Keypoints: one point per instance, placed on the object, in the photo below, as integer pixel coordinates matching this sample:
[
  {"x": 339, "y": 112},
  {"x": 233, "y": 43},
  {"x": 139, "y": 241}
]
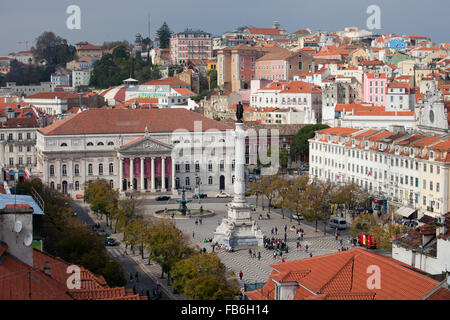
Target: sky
[{"x": 109, "y": 20}]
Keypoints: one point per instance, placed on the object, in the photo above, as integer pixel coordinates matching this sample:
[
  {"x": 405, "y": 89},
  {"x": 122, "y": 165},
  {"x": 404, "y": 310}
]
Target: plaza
[{"x": 254, "y": 270}]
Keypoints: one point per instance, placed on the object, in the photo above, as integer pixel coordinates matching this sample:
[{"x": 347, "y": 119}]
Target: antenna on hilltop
[{"x": 148, "y": 23}]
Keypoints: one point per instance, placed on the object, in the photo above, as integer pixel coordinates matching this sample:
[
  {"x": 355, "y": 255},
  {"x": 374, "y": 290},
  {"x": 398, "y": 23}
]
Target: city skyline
[{"x": 123, "y": 21}]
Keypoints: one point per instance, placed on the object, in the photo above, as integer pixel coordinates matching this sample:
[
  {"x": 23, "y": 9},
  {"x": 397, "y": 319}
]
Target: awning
[{"x": 405, "y": 211}]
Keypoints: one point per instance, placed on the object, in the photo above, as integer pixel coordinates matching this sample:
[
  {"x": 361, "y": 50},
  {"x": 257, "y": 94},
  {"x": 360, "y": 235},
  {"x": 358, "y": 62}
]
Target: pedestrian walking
[
  {"x": 259, "y": 255},
  {"x": 201, "y": 220},
  {"x": 196, "y": 221},
  {"x": 241, "y": 274},
  {"x": 193, "y": 234},
  {"x": 274, "y": 254},
  {"x": 272, "y": 230},
  {"x": 285, "y": 237},
  {"x": 249, "y": 253},
  {"x": 282, "y": 260},
  {"x": 306, "y": 248},
  {"x": 285, "y": 228},
  {"x": 340, "y": 241},
  {"x": 276, "y": 230}
]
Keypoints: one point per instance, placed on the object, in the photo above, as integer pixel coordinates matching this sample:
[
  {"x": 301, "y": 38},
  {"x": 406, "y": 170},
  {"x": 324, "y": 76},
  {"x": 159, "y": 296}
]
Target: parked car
[
  {"x": 337, "y": 223},
  {"x": 110, "y": 242},
  {"x": 163, "y": 198},
  {"x": 297, "y": 216},
  {"x": 102, "y": 232},
  {"x": 223, "y": 194},
  {"x": 200, "y": 195}
]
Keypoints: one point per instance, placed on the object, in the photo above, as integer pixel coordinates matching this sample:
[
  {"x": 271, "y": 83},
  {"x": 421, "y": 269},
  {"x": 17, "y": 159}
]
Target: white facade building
[
  {"x": 134, "y": 150},
  {"x": 409, "y": 169}
]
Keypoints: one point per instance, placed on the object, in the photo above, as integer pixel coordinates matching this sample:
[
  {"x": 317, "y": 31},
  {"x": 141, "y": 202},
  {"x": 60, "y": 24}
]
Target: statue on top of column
[{"x": 239, "y": 112}]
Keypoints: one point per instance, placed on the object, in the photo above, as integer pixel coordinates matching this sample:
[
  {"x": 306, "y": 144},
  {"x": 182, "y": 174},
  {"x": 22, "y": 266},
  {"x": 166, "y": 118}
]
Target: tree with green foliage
[
  {"x": 53, "y": 49},
  {"x": 212, "y": 77},
  {"x": 65, "y": 236},
  {"x": 315, "y": 202},
  {"x": 204, "y": 277},
  {"x": 164, "y": 36},
  {"x": 167, "y": 245},
  {"x": 101, "y": 197},
  {"x": 300, "y": 143}
]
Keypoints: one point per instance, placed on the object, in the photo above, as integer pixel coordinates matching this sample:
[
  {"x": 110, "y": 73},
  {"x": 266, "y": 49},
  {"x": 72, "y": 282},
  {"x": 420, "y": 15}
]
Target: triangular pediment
[{"x": 145, "y": 144}]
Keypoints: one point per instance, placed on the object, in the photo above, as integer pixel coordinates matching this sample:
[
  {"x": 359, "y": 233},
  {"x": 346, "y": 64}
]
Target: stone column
[
  {"x": 132, "y": 172},
  {"x": 120, "y": 173},
  {"x": 142, "y": 174},
  {"x": 163, "y": 174},
  {"x": 239, "y": 172},
  {"x": 172, "y": 161},
  {"x": 153, "y": 175}
]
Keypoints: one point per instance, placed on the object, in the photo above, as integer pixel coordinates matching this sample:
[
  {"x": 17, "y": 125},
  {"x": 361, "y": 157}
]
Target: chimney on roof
[
  {"x": 47, "y": 268},
  {"x": 16, "y": 230}
]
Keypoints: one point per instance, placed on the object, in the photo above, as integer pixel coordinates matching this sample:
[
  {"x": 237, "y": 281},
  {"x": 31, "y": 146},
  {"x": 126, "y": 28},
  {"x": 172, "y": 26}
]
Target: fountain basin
[{"x": 194, "y": 213}]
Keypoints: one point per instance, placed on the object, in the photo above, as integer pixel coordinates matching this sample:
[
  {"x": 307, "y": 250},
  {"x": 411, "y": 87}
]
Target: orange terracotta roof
[
  {"x": 130, "y": 121},
  {"x": 340, "y": 131},
  {"x": 264, "y": 31},
  {"x": 53, "y": 95},
  {"x": 441, "y": 146},
  {"x": 344, "y": 275},
  {"x": 365, "y": 133},
  {"x": 171, "y": 81},
  {"x": 184, "y": 91}
]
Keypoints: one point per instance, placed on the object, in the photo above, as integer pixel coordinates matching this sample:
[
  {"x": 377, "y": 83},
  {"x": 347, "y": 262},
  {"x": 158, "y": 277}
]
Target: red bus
[{"x": 367, "y": 241}]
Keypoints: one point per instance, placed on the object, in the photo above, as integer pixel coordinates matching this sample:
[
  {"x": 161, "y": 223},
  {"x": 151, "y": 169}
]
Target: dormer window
[
  {"x": 100, "y": 144},
  {"x": 90, "y": 144},
  {"x": 63, "y": 144},
  {"x": 397, "y": 149}
]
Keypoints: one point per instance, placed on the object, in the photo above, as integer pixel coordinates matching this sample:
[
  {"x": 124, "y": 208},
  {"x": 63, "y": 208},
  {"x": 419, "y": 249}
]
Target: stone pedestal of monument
[{"x": 238, "y": 230}]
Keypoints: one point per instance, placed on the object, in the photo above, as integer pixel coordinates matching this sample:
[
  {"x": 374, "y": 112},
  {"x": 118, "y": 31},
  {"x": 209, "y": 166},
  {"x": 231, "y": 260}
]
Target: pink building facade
[
  {"x": 374, "y": 88},
  {"x": 274, "y": 70},
  {"x": 190, "y": 45}
]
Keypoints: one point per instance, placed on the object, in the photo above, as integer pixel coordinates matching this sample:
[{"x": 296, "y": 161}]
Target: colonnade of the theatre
[{"x": 134, "y": 176}]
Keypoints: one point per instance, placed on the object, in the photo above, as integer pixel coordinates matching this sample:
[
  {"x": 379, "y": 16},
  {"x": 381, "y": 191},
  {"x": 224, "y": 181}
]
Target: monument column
[
  {"x": 153, "y": 175},
  {"x": 120, "y": 173},
  {"x": 142, "y": 174},
  {"x": 172, "y": 161},
  {"x": 132, "y": 172},
  {"x": 163, "y": 174},
  {"x": 239, "y": 167}
]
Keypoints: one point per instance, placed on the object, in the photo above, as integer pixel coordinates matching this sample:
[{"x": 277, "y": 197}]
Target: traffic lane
[
  {"x": 82, "y": 213},
  {"x": 140, "y": 284},
  {"x": 287, "y": 215}
]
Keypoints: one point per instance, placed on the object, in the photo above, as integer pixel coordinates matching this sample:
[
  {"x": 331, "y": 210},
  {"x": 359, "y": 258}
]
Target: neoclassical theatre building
[{"x": 147, "y": 150}]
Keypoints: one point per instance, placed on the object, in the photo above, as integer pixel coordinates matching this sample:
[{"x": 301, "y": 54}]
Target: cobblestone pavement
[{"x": 255, "y": 270}]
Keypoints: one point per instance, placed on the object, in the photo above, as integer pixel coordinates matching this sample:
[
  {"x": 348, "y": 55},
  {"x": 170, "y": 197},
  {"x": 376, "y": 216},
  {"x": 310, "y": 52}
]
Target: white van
[{"x": 337, "y": 223}]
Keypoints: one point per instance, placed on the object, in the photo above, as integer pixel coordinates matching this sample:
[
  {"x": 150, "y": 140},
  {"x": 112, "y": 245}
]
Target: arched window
[
  {"x": 210, "y": 180},
  {"x": 63, "y": 144},
  {"x": 110, "y": 143},
  {"x": 89, "y": 144},
  {"x": 52, "y": 170},
  {"x": 222, "y": 165},
  {"x": 77, "y": 186},
  {"x": 111, "y": 168},
  {"x": 232, "y": 179},
  {"x": 100, "y": 144},
  {"x": 100, "y": 168},
  {"x": 52, "y": 185},
  {"x": 111, "y": 184},
  {"x": 90, "y": 171},
  {"x": 77, "y": 170},
  {"x": 64, "y": 170}
]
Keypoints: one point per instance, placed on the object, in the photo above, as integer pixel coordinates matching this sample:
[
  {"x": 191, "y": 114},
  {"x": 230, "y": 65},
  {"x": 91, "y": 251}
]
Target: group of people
[
  {"x": 253, "y": 254},
  {"x": 277, "y": 245}
]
